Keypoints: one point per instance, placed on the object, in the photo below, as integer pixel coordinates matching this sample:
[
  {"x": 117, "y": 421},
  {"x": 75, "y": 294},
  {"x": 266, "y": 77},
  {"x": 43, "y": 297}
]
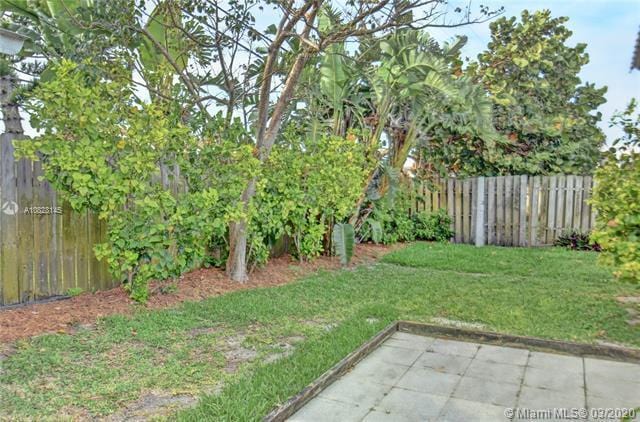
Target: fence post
[{"x": 480, "y": 211}]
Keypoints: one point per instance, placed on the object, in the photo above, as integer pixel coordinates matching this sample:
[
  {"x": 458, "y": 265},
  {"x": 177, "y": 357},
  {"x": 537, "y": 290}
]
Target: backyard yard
[{"x": 236, "y": 356}]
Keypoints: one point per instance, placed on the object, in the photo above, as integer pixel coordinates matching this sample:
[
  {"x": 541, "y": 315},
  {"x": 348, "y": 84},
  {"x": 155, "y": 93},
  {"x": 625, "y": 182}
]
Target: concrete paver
[
  {"x": 418, "y": 378},
  {"x": 484, "y": 391},
  {"x": 444, "y": 363},
  {"x": 427, "y": 380}
]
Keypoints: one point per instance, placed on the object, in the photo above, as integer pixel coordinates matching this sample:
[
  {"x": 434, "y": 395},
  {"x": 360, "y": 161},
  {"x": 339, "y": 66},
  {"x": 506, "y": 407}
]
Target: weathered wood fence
[
  {"x": 45, "y": 248},
  {"x": 510, "y": 210}
]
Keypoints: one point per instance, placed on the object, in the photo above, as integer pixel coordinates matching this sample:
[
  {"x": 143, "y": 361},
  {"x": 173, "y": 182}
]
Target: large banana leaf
[
  {"x": 344, "y": 240},
  {"x": 164, "y": 34}
]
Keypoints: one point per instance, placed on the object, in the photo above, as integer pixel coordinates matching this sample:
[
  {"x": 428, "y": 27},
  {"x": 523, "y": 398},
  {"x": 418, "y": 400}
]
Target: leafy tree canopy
[{"x": 546, "y": 115}]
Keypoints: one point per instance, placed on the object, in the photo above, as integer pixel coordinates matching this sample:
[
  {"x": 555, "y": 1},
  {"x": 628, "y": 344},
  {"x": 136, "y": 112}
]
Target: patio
[{"x": 417, "y": 378}]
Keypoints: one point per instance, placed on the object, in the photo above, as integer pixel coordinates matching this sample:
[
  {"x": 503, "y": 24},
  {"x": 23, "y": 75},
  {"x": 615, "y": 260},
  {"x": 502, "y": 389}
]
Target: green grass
[{"x": 549, "y": 293}]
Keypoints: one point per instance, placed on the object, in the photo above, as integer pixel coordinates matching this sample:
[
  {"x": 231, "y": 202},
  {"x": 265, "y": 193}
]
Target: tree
[
  {"x": 615, "y": 198},
  {"x": 546, "y": 115},
  {"x": 262, "y": 85},
  {"x": 214, "y": 61}
]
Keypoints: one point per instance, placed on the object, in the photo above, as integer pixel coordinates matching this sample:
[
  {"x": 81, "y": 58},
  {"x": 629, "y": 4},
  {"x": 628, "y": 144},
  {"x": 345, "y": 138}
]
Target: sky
[{"x": 608, "y": 27}]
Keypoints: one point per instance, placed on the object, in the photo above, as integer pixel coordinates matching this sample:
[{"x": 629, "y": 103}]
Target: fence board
[
  {"x": 535, "y": 203},
  {"x": 544, "y": 210},
  {"x": 577, "y": 202},
  {"x": 451, "y": 203},
  {"x": 522, "y": 211},
  {"x": 458, "y": 209},
  {"x": 585, "y": 223},
  {"x": 491, "y": 210},
  {"x": 9, "y": 223},
  {"x": 560, "y": 203},
  {"x": 500, "y": 210},
  {"x": 551, "y": 217},
  {"x": 466, "y": 209},
  {"x": 568, "y": 209},
  {"x": 508, "y": 206}
]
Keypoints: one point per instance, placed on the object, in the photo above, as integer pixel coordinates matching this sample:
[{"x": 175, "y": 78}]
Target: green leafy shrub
[
  {"x": 393, "y": 215},
  {"x": 433, "y": 226},
  {"x": 615, "y": 198},
  {"x": 307, "y": 187},
  {"x": 577, "y": 241},
  {"x": 106, "y": 155}
]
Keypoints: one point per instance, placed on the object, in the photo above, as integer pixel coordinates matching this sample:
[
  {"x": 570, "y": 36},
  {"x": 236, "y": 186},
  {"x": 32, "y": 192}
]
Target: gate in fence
[{"x": 511, "y": 210}]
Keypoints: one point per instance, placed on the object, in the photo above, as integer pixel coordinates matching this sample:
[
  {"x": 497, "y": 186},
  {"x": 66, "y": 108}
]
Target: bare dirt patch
[
  {"x": 64, "y": 315},
  {"x": 153, "y": 404}
]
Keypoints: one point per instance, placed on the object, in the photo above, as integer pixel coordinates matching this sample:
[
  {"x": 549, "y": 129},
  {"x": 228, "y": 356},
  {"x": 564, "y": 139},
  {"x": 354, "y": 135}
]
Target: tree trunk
[
  {"x": 236, "y": 266},
  {"x": 268, "y": 129},
  {"x": 10, "y": 110}
]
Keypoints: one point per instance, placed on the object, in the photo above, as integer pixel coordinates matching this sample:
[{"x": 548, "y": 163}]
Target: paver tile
[
  {"x": 412, "y": 405},
  {"x": 443, "y": 363},
  {"x": 427, "y": 380},
  {"x": 595, "y": 402},
  {"x": 412, "y": 338},
  {"x": 378, "y": 372},
  {"x": 406, "y": 344},
  {"x": 394, "y": 355},
  {"x": 600, "y": 368},
  {"x": 492, "y": 371},
  {"x": 453, "y": 347},
  {"x": 459, "y": 410},
  {"x": 320, "y": 409},
  {"x": 555, "y": 362},
  {"x": 489, "y": 392},
  {"x": 553, "y": 380},
  {"x": 620, "y": 389},
  {"x": 539, "y": 398},
  {"x": 501, "y": 354},
  {"x": 351, "y": 389}
]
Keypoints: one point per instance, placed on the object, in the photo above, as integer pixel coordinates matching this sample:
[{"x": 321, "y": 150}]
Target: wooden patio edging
[{"x": 295, "y": 403}]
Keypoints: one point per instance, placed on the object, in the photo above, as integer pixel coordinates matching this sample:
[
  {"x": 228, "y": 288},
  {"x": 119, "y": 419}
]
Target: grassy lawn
[{"x": 247, "y": 351}]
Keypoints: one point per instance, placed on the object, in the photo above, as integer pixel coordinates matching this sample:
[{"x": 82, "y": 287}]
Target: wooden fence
[
  {"x": 510, "y": 210},
  {"x": 45, "y": 248}
]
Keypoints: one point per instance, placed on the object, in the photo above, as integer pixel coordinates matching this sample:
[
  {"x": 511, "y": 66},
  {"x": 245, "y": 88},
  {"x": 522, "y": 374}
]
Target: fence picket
[
  {"x": 535, "y": 203},
  {"x": 500, "y": 211},
  {"x": 491, "y": 210},
  {"x": 522, "y": 234},
  {"x": 458, "y": 210}
]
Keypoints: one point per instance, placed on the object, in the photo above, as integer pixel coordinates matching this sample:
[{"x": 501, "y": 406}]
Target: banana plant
[{"x": 344, "y": 242}]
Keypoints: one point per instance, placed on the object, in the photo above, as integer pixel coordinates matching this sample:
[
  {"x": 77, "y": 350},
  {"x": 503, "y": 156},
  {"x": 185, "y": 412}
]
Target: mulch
[{"x": 63, "y": 316}]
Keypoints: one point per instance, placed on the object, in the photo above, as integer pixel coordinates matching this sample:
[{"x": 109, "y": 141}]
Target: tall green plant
[
  {"x": 104, "y": 155},
  {"x": 344, "y": 241},
  {"x": 615, "y": 198}
]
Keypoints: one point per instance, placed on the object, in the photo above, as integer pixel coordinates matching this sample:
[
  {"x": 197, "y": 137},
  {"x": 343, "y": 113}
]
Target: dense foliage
[
  {"x": 398, "y": 224},
  {"x": 545, "y": 115},
  {"x": 616, "y": 196},
  {"x": 577, "y": 241},
  {"x": 106, "y": 156},
  {"x": 308, "y": 186},
  {"x": 203, "y": 138},
  {"x": 433, "y": 226}
]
